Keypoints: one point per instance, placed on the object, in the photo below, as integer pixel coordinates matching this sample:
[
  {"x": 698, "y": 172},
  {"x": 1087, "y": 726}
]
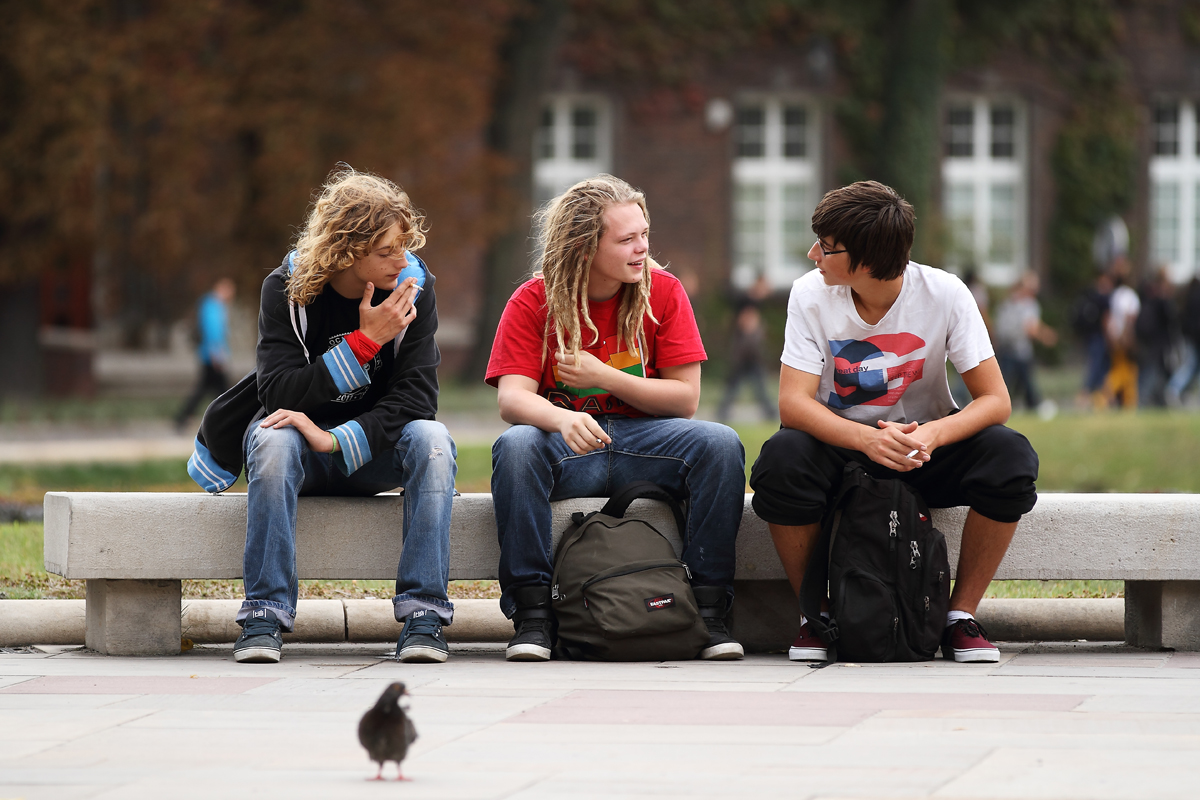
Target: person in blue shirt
[{"x": 212, "y": 326}]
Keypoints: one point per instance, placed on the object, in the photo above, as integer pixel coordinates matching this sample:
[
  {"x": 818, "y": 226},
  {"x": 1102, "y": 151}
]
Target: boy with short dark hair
[{"x": 863, "y": 379}]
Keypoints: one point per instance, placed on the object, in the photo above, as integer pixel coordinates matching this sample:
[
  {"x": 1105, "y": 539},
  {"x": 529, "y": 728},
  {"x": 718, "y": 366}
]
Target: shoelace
[
  {"x": 973, "y": 629},
  {"x": 258, "y": 626},
  {"x": 538, "y": 623},
  {"x": 427, "y": 625}
]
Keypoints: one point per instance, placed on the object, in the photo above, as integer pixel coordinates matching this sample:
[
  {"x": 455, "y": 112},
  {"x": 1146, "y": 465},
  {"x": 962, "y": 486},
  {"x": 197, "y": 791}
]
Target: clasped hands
[{"x": 893, "y": 445}]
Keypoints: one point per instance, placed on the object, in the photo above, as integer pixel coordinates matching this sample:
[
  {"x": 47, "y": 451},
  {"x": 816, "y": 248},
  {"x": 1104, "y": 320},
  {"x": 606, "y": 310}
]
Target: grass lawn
[{"x": 1117, "y": 452}]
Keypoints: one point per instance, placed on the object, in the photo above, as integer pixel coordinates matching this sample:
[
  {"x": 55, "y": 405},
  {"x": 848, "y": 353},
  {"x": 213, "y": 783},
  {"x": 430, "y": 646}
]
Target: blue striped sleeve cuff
[
  {"x": 354, "y": 451},
  {"x": 347, "y": 373},
  {"x": 207, "y": 473}
]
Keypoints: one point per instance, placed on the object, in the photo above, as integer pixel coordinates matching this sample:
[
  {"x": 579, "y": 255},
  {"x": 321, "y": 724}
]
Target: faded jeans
[
  {"x": 280, "y": 468},
  {"x": 703, "y": 462}
]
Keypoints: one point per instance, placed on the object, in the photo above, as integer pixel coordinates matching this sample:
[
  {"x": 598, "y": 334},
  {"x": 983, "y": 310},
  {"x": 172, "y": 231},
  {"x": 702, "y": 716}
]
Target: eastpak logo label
[{"x": 660, "y": 602}]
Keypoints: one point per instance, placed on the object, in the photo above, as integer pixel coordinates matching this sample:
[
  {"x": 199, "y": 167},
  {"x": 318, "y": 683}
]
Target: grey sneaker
[
  {"x": 422, "y": 639},
  {"x": 261, "y": 640}
]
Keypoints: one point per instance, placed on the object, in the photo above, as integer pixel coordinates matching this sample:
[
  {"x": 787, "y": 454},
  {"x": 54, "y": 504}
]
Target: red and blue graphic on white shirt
[{"x": 870, "y": 372}]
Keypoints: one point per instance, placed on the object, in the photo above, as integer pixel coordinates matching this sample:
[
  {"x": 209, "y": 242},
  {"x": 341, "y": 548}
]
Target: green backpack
[{"x": 619, "y": 592}]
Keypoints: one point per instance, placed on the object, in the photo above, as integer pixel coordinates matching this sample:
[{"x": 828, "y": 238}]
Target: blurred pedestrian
[
  {"x": 979, "y": 291},
  {"x": 1189, "y": 367},
  {"x": 1017, "y": 325},
  {"x": 746, "y": 352},
  {"x": 1120, "y": 385},
  {"x": 1088, "y": 319},
  {"x": 1155, "y": 332},
  {"x": 212, "y": 348}
]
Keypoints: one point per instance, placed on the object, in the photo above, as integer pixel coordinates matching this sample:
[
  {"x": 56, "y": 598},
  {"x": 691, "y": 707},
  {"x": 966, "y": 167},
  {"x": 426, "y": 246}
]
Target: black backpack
[
  {"x": 619, "y": 592},
  {"x": 887, "y": 571}
]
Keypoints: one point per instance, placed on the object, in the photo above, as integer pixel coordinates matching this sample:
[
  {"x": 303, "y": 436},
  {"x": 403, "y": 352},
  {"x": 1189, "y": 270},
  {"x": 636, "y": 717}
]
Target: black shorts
[{"x": 993, "y": 472}]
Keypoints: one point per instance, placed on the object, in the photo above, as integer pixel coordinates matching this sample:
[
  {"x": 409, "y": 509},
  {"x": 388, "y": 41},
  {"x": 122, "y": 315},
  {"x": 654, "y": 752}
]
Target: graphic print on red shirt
[{"x": 518, "y": 347}]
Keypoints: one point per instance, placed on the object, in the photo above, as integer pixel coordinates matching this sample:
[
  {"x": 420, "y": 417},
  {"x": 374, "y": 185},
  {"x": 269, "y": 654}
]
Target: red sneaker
[
  {"x": 808, "y": 647},
  {"x": 966, "y": 641}
]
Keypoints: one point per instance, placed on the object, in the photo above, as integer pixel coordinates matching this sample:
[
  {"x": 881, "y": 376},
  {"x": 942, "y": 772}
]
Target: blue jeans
[
  {"x": 702, "y": 461},
  {"x": 1187, "y": 372},
  {"x": 280, "y": 468}
]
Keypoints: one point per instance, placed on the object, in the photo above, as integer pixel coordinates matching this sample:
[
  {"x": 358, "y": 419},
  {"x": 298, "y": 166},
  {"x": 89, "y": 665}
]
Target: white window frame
[
  {"x": 982, "y": 171},
  {"x": 774, "y": 172},
  {"x": 552, "y": 176},
  {"x": 1183, "y": 171}
]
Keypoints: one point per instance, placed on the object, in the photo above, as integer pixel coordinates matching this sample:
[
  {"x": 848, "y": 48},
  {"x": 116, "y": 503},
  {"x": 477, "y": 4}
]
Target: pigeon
[{"x": 386, "y": 731}]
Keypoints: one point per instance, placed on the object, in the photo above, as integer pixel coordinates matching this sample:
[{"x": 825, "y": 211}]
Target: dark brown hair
[{"x": 872, "y": 222}]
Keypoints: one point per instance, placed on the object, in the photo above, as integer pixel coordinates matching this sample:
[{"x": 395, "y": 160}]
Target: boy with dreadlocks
[
  {"x": 342, "y": 402},
  {"x": 594, "y": 409}
]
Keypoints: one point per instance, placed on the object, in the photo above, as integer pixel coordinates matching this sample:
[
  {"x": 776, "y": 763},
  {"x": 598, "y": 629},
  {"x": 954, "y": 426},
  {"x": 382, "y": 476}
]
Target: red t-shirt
[{"x": 518, "y": 348}]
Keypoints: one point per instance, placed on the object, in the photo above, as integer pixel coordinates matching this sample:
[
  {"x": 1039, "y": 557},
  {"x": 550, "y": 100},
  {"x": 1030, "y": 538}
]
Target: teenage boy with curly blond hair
[{"x": 342, "y": 402}]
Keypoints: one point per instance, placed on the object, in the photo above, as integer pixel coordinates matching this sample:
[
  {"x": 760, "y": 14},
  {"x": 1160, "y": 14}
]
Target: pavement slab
[{"x": 1053, "y": 720}]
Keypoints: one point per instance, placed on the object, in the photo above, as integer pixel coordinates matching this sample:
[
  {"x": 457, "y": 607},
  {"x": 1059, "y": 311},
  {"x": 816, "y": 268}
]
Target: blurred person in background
[
  {"x": 979, "y": 291},
  {"x": 1189, "y": 367},
  {"x": 1156, "y": 333},
  {"x": 1088, "y": 319},
  {"x": 1120, "y": 385},
  {"x": 212, "y": 330},
  {"x": 745, "y": 352},
  {"x": 1017, "y": 325}
]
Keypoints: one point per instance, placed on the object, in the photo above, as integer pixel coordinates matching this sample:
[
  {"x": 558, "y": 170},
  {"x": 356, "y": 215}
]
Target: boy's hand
[
  {"x": 582, "y": 433},
  {"x": 892, "y": 443},
  {"x": 319, "y": 439},
  {"x": 383, "y": 322},
  {"x": 584, "y": 372}
]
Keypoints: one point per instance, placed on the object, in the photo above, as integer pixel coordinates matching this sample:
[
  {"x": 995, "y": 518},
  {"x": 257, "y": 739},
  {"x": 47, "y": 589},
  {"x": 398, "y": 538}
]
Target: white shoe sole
[
  {"x": 808, "y": 654},
  {"x": 418, "y": 654},
  {"x": 730, "y": 651},
  {"x": 978, "y": 655},
  {"x": 257, "y": 655},
  {"x": 527, "y": 652}
]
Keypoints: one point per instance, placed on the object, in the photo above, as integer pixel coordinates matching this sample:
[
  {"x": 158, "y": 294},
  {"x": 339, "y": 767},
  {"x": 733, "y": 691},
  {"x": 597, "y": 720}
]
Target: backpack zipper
[{"x": 643, "y": 567}]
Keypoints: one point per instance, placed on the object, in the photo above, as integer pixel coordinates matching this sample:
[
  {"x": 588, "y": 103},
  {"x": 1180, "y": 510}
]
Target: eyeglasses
[{"x": 827, "y": 253}]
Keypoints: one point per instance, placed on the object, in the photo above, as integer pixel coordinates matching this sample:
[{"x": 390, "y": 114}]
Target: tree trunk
[
  {"x": 909, "y": 136},
  {"x": 526, "y": 61}
]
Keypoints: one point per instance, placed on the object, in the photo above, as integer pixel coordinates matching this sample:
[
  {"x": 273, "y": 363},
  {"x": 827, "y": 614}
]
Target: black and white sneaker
[
  {"x": 721, "y": 646},
  {"x": 422, "y": 640},
  {"x": 261, "y": 640},
  {"x": 532, "y": 640}
]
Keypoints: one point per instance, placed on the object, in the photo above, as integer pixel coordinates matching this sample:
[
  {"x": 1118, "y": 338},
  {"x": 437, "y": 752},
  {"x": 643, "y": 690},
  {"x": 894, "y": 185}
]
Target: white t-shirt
[
  {"x": 1123, "y": 309},
  {"x": 895, "y": 369}
]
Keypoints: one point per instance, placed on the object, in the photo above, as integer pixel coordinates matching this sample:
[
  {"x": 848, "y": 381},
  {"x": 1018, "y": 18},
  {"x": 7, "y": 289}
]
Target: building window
[
  {"x": 774, "y": 189},
  {"x": 573, "y": 142},
  {"x": 984, "y": 191},
  {"x": 1166, "y": 129},
  {"x": 1175, "y": 189}
]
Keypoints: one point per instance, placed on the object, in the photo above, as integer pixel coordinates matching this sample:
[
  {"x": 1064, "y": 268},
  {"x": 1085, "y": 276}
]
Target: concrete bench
[{"x": 133, "y": 549}]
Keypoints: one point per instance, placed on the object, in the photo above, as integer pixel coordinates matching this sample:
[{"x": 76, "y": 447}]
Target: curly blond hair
[
  {"x": 345, "y": 224},
  {"x": 570, "y": 229}
]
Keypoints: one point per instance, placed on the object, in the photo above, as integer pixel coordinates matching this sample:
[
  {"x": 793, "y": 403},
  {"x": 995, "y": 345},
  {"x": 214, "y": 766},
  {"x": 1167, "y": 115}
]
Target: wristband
[{"x": 335, "y": 443}]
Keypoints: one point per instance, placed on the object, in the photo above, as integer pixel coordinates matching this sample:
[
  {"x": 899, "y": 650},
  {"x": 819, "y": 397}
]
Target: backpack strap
[
  {"x": 816, "y": 576},
  {"x": 618, "y": 504},
  {"x": 297, "y": 312}
]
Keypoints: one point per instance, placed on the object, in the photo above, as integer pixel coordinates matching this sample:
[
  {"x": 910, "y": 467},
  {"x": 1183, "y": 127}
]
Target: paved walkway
[{"x": 1054, "y": 721}]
